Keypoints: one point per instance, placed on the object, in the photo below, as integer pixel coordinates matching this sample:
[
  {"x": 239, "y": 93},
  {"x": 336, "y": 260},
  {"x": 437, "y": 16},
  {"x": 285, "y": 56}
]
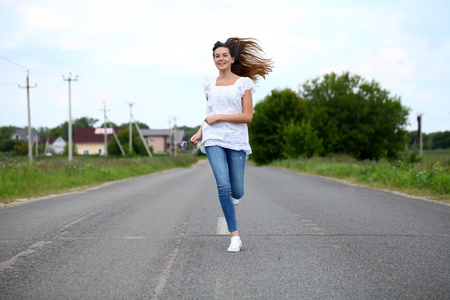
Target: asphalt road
[{"x": 159, "y": 237}]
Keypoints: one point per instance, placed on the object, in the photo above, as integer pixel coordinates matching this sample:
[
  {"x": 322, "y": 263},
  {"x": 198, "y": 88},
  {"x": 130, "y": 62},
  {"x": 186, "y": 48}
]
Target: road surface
[{"x": 162, "y": 237}]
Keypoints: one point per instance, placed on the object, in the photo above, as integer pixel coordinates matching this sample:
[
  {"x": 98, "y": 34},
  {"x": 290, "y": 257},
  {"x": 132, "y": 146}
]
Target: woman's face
[{"x": 222, "y": 58}]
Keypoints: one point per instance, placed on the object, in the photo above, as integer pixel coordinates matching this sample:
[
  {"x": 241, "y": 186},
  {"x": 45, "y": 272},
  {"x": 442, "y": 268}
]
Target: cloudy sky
[{"x": 154, "y": 54}]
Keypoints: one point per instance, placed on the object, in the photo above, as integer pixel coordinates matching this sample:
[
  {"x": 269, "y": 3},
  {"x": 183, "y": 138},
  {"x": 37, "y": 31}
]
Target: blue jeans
[{"x": 228, "y": 168}]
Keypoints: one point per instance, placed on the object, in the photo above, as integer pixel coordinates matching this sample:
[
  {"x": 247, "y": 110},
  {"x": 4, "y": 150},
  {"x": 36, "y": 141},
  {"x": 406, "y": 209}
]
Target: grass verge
[
  {"x": 20, "y": 178},
  {"x": 430, "y": 179}
]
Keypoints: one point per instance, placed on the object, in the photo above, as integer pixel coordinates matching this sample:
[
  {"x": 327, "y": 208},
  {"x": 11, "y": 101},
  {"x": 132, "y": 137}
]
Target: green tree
[
  {"x": 84, "y": 122},
  {"x": 20, "y": 149},
  {"x": 301, "y": 139},
  {"x": 114, "y": 125},
  {"x": 63, "y": 129},
  {"x": 282, "y": 112},
  {"x": 6, "y": 144},
  {"x": 441, "y": 140},
  {"x": 140, "y": 124},
  {"x": 355, "y": 117},
  {"x": 138, "y": 147},
  {"x": 43, "y": 132}
]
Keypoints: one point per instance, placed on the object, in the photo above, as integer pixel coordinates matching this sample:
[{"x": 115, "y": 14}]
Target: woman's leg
[
  {"x": 217, "y": 157},
  {"x": 236, "y": 168}
]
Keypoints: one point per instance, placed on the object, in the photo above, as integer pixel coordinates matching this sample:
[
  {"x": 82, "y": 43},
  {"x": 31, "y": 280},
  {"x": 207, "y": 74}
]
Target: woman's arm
[
  {"x": 196, "y": 137},
  {"x": 245, "y": 117}
]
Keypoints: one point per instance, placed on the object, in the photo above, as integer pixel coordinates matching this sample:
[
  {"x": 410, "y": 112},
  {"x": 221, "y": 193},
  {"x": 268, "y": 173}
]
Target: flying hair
[{"x": 249, "y": 60}]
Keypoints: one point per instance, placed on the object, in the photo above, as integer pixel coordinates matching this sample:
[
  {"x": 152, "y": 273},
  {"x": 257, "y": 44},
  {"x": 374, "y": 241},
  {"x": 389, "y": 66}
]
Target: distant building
[
  {"x": 91, "y": 141},
  {"x": 22, "y": 134},
  {"x": 54, "y": 145},
  {"x": 159, "y": 139}
]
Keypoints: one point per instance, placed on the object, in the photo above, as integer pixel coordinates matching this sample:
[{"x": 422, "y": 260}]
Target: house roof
[
  {"x": 52, "y": 139},
  {"x": 93, "y": 135},
  {"x": 23, "y": 135}
]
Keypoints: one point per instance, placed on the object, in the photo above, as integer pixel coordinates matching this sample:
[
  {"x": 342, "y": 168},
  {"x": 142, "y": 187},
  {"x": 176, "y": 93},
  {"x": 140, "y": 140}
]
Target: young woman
[{"x": 229, "y": 109}]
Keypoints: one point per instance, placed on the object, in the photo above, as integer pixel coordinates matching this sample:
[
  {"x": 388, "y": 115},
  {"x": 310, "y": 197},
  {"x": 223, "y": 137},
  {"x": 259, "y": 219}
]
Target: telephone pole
[
  {"x": 175, "y": 135},
  {"x": 30, "y": 145},
  {"x": 104, "y": 129},
  {"x": 131, "y": 126},
  {"x": 419, "y": 132},
  {"x": 70, "y": 79}
]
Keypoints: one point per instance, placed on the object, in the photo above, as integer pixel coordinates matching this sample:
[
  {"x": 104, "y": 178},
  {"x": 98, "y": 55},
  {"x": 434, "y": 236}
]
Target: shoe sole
[{"x": 235, "y": 250}]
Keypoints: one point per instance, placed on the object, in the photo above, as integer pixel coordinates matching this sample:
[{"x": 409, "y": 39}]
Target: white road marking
[
  {"x": 222, "y": 228},
  {"x": 8, "y": 264},
  {"x": 165, "y": 274},
  {"x": 63, "y": 229}
]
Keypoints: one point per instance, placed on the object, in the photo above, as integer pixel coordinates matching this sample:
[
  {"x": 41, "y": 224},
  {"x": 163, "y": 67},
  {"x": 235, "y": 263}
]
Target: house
[
  {"x": 22, "y": 134},
  {"x": 54, "y": 145},
  {"x": 159, "y": 139},
  {"x": 91, "y": 141}
]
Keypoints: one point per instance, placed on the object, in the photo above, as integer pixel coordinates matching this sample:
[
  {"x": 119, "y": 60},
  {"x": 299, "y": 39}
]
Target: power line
[
  {"x": 11, "y": 62},
  {"x": 25, "y": 68}
]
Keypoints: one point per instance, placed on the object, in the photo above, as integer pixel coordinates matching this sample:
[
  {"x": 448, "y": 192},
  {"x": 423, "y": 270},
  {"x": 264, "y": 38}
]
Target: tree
[
  {"x": 20, "y": 149},
  {"x": 140, "y": 124},
  {"x": 6, "y": 144},
  {"x": 84, "y": 122},
  {"x": 114, "y": 125},
  {"x": 43, "y": 132},
  {"x": 63, "y": 129},
  {"x": 277, "y": 129},
  {"x": 441, "y": 140},
  {"x": 138, "y": 147},
  {"x": 301, "y": 139},
  {"x": 355, "y": 117}
]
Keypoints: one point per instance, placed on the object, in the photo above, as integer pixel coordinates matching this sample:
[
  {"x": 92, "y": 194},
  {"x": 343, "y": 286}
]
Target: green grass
[
  {"x": 429, "y": 177},
  {"x": 20, "y": 178}
]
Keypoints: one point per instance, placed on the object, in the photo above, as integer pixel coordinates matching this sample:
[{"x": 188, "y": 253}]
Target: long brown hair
[{"x": 248, "y": 58}]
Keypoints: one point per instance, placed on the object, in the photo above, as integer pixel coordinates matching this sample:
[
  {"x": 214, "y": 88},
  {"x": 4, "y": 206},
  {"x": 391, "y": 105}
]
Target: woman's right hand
[{"x": 196, "y": 137}]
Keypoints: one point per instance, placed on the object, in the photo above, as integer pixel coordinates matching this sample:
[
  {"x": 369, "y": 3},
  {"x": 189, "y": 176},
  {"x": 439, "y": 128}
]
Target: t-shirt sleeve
[
  {"x": 247, "y": 84},
  {"x": 206, "y": 86}
]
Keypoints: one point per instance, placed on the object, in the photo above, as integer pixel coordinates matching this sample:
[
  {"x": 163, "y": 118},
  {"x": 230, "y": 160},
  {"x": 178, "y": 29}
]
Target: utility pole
[
  {"x": 175, "y": 135},
  {"x": 104, "y": 129},
  {"x": 30, "y": 143},
  {"x": 70, "y": 79},
  {"x": 115, "y": 136},
  {"x": 131, "y": 126},
  {"x": 142, "y": 137},
  {"x": 419, "y": 133},
  {"x": 170, "y": 136}
]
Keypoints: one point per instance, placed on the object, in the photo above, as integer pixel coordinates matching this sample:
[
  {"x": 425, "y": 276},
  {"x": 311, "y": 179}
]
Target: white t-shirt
[{"x": 226, "y": 100}]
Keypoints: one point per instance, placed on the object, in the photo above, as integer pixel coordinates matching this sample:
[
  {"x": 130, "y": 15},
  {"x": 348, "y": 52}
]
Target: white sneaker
[
  {"x": 235, "y": 202},
  {"x": 235, "y": 245}
]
